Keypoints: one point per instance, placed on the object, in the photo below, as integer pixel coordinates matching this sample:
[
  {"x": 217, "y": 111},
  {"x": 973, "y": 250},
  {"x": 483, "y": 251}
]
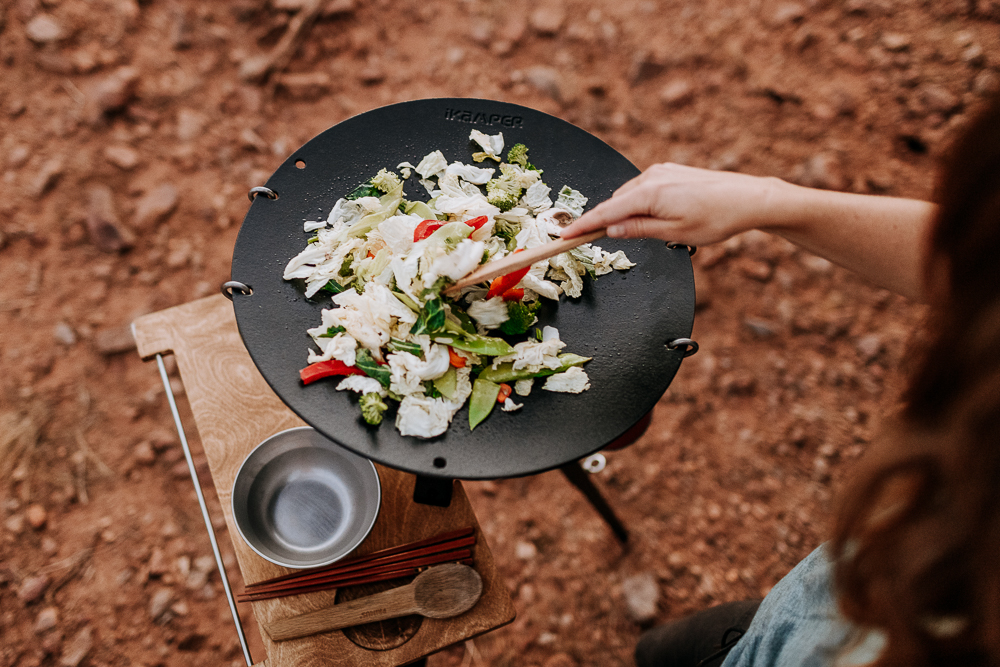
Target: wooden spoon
[
  {"x": 519, "y": 260},
  {"x": 438, "y": 592}
]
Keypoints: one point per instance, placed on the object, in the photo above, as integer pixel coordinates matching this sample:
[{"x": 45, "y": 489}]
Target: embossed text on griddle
[{"x": 483, "y": 118}]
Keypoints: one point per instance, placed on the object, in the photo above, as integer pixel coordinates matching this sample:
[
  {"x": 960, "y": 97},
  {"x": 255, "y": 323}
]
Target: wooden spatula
[
  {"x": 438, "y": 592},
  {"x": 519, "y": 260}
]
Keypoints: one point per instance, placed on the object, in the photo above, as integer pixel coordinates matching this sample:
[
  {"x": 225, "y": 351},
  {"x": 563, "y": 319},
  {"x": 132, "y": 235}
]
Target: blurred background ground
[{"x": 131, "y": 131}]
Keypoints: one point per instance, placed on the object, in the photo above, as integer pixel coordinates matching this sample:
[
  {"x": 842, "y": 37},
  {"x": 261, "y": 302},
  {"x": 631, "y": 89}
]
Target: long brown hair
[{"x": 917, "y": 536}]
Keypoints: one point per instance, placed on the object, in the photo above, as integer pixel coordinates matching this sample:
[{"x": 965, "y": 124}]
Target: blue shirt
[{"x": 798, "y": 625}]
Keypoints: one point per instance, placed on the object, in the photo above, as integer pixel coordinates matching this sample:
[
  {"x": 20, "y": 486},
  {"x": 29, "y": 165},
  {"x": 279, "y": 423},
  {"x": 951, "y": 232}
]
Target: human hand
[{"x": 682, "y": 204}]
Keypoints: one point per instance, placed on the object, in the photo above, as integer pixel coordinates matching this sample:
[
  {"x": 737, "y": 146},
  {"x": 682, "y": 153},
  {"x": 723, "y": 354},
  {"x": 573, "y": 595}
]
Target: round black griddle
[{"x": 623, "y": 320}]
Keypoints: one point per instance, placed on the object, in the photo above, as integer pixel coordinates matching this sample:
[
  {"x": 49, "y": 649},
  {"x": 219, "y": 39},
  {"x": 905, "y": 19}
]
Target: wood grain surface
[{"x": 234, "y": 410}]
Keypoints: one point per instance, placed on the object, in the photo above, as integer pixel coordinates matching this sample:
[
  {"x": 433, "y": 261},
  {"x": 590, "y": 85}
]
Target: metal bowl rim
[{"x": 361, "y": 536}]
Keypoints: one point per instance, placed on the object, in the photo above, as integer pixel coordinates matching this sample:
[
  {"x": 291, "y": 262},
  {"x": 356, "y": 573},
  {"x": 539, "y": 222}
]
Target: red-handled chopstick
[
  {"x": 393, "y": 571},
  {"x": 364, "y": 567},
  {"x": 342, "y": 565}
]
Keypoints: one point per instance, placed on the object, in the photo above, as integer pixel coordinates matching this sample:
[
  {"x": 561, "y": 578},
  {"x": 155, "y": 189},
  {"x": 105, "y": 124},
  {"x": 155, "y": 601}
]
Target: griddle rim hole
[{"x": 440, "y": 462}]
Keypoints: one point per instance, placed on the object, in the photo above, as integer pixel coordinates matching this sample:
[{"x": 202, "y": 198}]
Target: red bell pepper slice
[
  {"x": 505, "y": 390},
  {"x": 513, "y": 294},
  {"x": 508, "y": 281},
  {"x": 477, "y": 222},
  {"x": 455, "y": 359},
  {"x": 425, "y": 229},
  {"x": 323, "y": 369}
]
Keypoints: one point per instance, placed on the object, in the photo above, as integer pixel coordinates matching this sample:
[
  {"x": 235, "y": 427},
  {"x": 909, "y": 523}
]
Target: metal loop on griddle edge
[
  {"x": 690, "y": 347},
  {"x": 231, "y": 286},
  {"x": 261, "y": 190},
  {"x": 690, "y": 248}
]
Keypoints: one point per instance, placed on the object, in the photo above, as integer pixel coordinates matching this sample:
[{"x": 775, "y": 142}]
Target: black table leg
[
  {"x": 433, "y": 491},
  {"x": 580, "y": 478}
]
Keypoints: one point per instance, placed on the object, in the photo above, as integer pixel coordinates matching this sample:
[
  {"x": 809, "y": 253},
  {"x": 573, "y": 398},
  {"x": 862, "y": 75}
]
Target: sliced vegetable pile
[{"x": 385, "y": 260}]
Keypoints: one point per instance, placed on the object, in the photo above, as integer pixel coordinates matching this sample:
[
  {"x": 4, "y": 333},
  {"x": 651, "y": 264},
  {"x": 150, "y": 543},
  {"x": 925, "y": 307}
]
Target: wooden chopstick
[
  {"x": 364, "y": 567},
  {"x": 341, "y": 565},
  {"x": 519, "y": 260},
  {"x": 392, "y": 571}
]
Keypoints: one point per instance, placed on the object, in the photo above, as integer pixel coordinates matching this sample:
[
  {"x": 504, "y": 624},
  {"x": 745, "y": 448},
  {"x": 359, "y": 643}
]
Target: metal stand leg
[
  {"x": 204, "y": 510},
  {"x": 581, "y": 480},
  {"x": 433, "y": 491}
]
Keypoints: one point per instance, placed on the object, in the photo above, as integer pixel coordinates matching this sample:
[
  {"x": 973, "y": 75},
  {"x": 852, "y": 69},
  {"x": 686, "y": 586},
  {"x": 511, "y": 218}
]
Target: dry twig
[{"x": 258, "y": 68}]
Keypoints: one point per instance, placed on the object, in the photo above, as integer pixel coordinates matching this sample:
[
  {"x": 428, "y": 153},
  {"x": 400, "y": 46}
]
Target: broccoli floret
[
  {"x": 518, "y": 154},
  {"x": 504, "y": 192},
  {"x": 372, "y": 408},
  {"x": 520, "y": 317},
  {"x": 366, "y": 189},
  {"x": 507, "y": 231},
  {"x": 386, "y": 181}
]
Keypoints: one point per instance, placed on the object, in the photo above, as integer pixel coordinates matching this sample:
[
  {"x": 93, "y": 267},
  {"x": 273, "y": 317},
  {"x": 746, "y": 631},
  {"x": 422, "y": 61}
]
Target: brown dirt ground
[{"x": 731, "y": 486}]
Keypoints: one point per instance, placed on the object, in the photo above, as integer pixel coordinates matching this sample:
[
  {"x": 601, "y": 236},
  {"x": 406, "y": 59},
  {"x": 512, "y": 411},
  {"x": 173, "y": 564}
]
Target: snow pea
[
  {"x": 505, "y": 372},
  {"x": 484, "y": 397},
  {"x": 447, "y": 384},
  {"x": 484, "y": 345}
]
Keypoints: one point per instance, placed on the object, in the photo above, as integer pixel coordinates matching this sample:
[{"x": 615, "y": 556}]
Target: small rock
[
  {"x": 155, "y": 206},
  {"x": 816, "y": 264},
  {"x": 36, "y": 516},
  {"x": 525, "y": 550},
  {"x": 754, "y": 269},
  {"x": 821, "y": 171},
  {"x": 44, "y": 29},
  {"x": 545, "y": 80},
  {"x": 190, "y": 124},
  {"x": 939, "y": 99},
  {"x": 308, "y": 85},
  {"x": 895, "y": 41},
  {"x": 15, "y": 524},
  {"x": 64, "y": 334},
  {"x": 110, "y": 93},
  {"x": 339, "y": 8},
  {"x": 986, "y": 83},
  {"x": 869, "y": 346},
  {"x": 103, "y": 225},
  {"x": 646, "y": 65},
  {"x": 78, "y": 648},
  {"x": 46, "y": 177},
  {"x": 642, "y": 594},
  {"x": 114, "y": 341},
  {"x": 18, "y": 156},
  {"x": 158, "y": 565},
  {"x": 790, "y": 12},
  {"x": 47, "y": 619},
  {"x": 159, "y": 603},
  {"x": 180, "y": 30},
  {"x": 760, "y": 327},
  {"x": 196, "y": 579},
  {"x": 180, "y": 469},
  {"x": 547, "y": 19},
  {"x": 122, "y": 157},
  {"x": 144, "y": 454},
  {"x": 677, "y": 93},
  {"x": 974, "y": 55},
  {"x": 481, "y": 32},
  {"x": 33, "y": 588},
  {"x": 372, "y": 73}
]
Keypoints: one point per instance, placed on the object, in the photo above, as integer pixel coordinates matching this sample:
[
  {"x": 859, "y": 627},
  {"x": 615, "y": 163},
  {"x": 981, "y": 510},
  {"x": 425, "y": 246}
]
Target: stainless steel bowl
[{"x": 300, "y": 500}]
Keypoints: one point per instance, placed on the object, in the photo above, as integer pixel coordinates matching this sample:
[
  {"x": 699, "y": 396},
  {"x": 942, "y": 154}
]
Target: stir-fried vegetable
[{"x": 384, "y": 261}]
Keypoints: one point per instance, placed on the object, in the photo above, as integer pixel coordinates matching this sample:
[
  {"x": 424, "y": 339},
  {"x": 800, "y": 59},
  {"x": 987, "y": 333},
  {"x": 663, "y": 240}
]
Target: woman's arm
[{"x": 882, "y": 239}]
